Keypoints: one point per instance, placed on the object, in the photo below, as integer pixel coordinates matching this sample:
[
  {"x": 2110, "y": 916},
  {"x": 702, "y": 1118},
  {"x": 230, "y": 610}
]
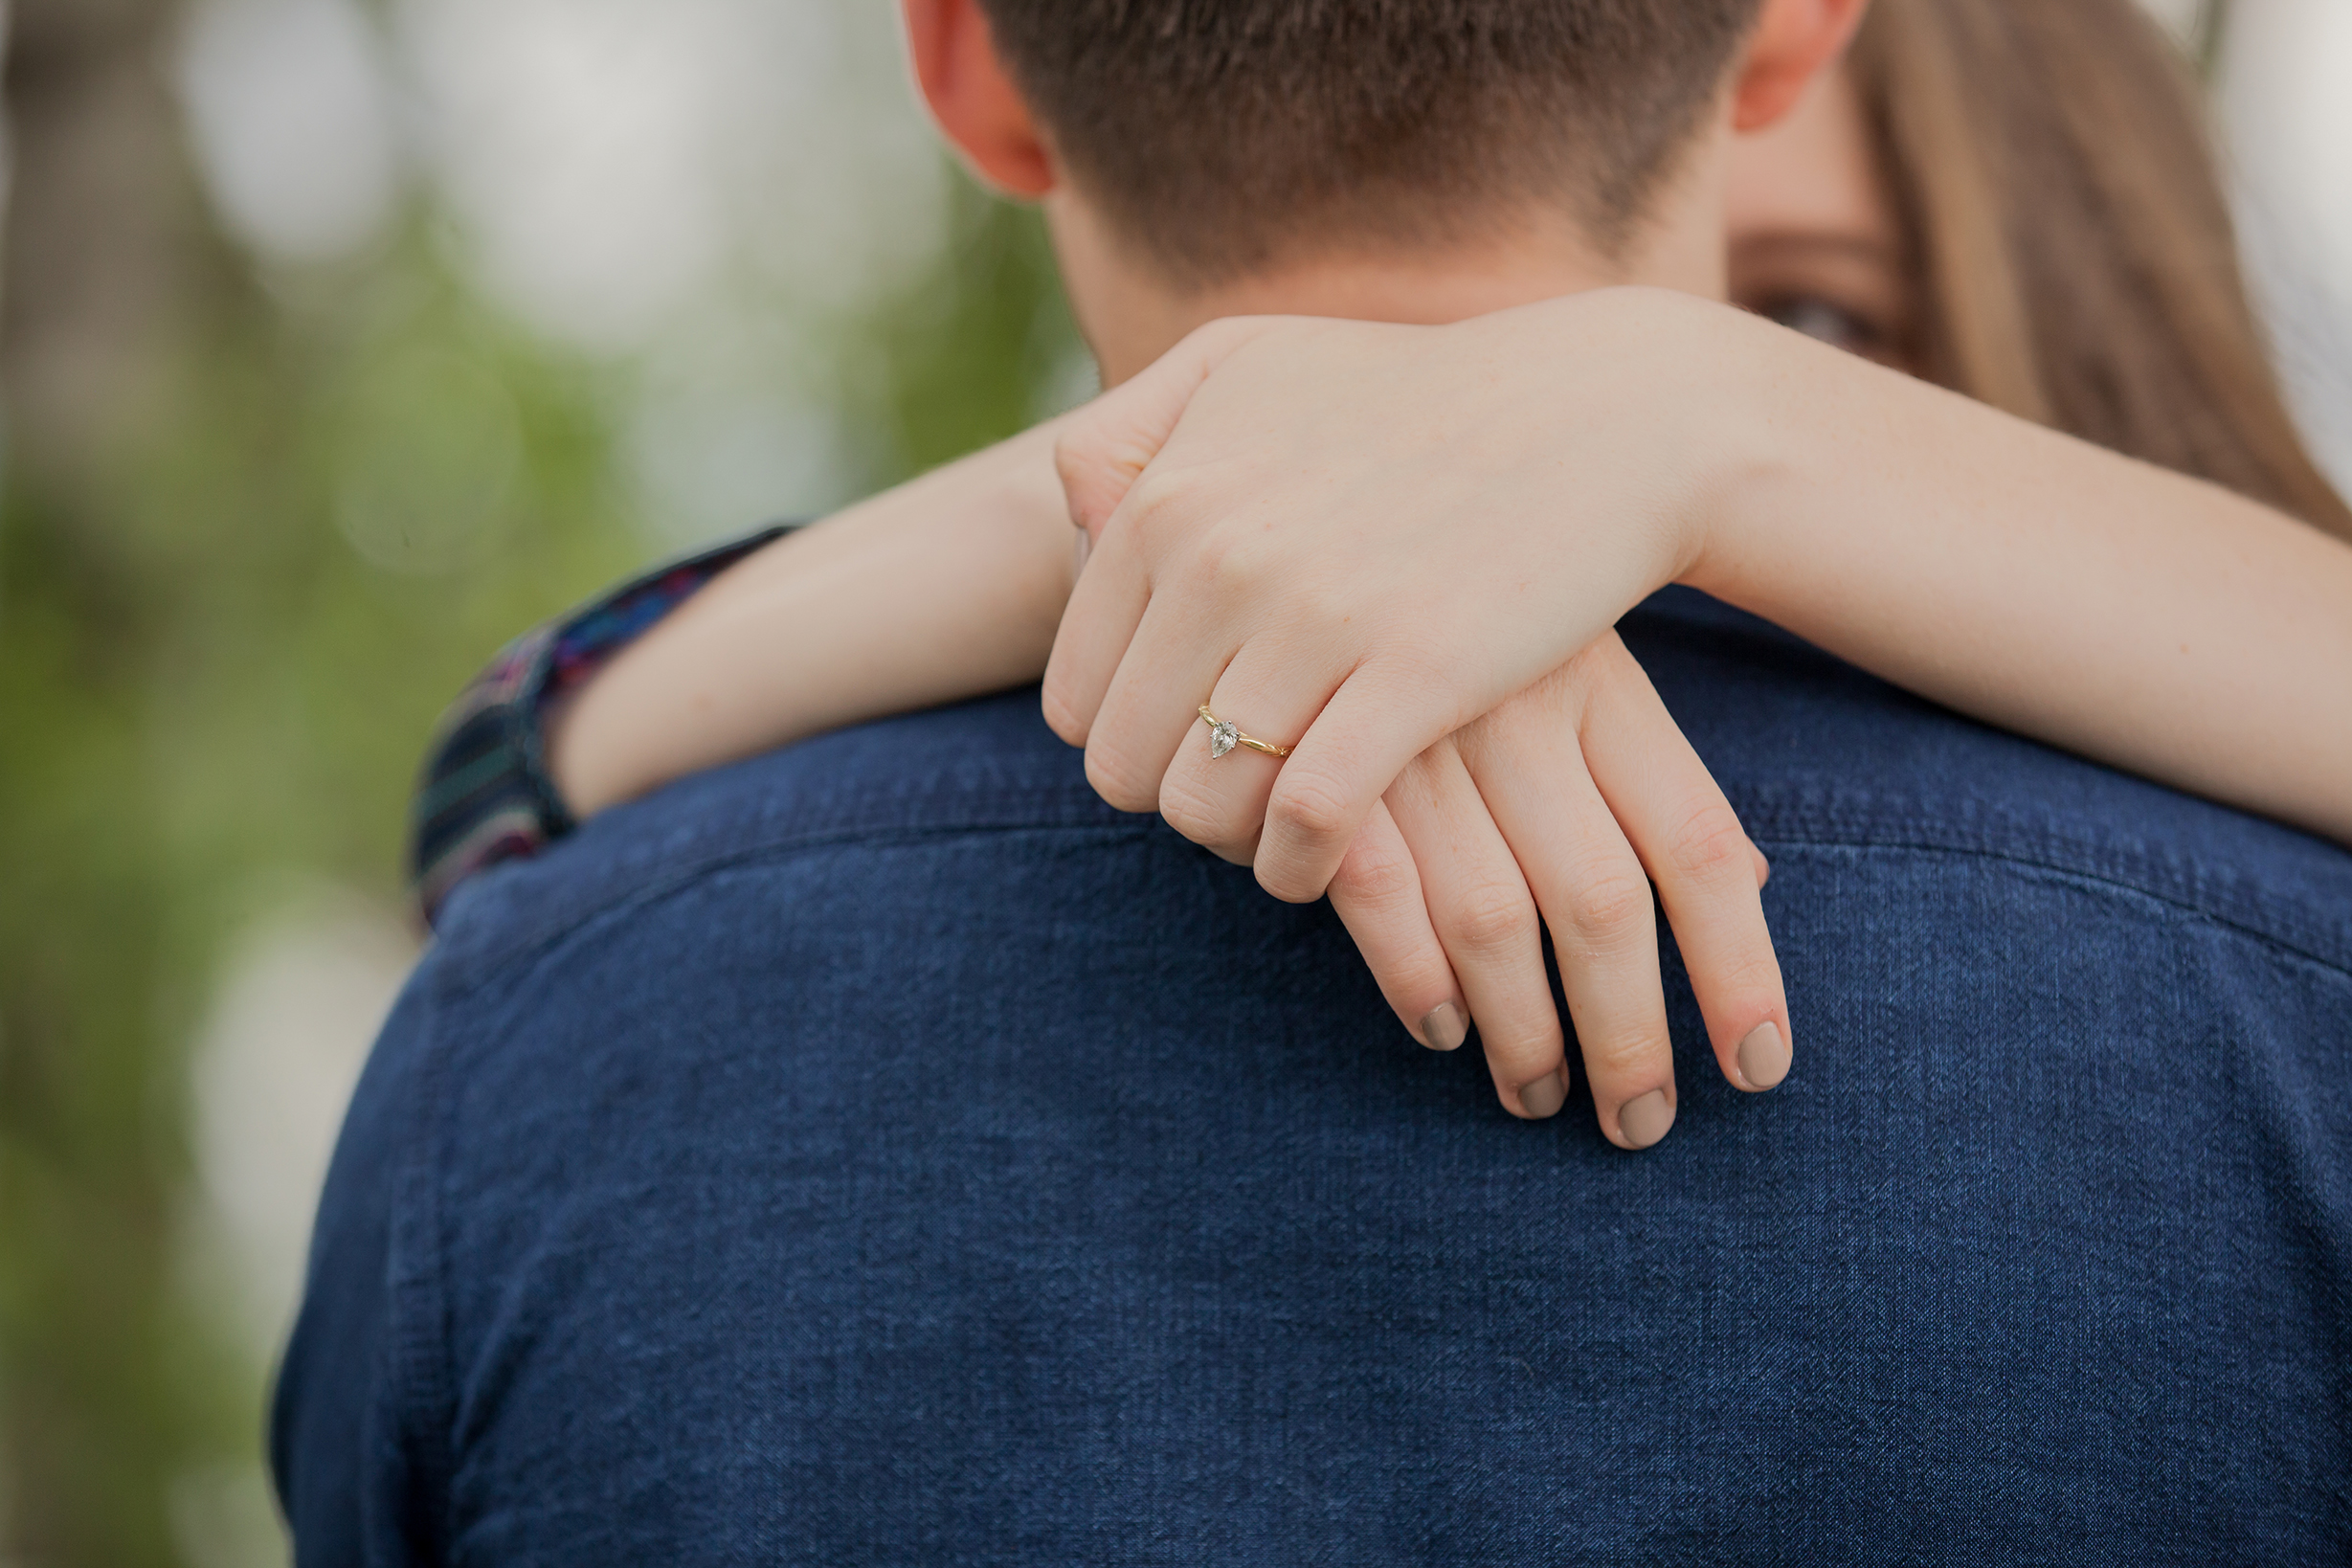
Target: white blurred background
[
  {"x": 705, "y": 203},
  {"x": 696, "y": 189}
]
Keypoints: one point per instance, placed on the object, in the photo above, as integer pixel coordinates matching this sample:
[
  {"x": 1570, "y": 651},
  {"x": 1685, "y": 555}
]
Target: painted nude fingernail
[
  {"x": 1545, "y": 1095},
  {"x": 1086, "y": 545},
  {"x": 1645, "y": 1120},
  {"x": 1445, "y": 1029},
  {"x": 1763, "y": 1056}
]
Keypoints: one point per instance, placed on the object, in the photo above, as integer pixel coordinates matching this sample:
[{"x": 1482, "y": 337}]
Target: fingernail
[
  {"x": 1086, "y": 542},
  {"x": 1545, "y": 1095},
  {"x": 1445, "y": 1029},
  {"x": 1763, "y": 1056},
  {"x": 1645, "y": 1120}
]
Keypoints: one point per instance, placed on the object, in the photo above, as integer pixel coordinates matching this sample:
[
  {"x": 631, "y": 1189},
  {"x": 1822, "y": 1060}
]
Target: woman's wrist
[
  {"x": 1699, "y": 401},
  {"x": 1751, "y": 399}
]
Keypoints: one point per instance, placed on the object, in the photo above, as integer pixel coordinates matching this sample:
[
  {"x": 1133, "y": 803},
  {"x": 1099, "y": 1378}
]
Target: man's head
[
  {"x": 1202, "y": 146},
  {"x": 1216, "y": 133}
]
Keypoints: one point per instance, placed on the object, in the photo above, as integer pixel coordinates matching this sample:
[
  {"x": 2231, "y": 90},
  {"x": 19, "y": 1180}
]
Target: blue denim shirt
[{"x": 882, "y": 1151}]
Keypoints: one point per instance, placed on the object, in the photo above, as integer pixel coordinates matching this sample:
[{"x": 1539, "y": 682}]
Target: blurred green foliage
[{"x": 227, "y": 623}]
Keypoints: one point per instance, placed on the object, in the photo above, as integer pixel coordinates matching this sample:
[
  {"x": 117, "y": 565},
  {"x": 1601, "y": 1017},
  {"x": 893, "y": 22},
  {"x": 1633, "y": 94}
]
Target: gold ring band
[{"x": 1223, "y": 737}]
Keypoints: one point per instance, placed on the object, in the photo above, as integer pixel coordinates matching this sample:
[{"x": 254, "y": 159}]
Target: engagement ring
[{"x": 1223, "y": 737}]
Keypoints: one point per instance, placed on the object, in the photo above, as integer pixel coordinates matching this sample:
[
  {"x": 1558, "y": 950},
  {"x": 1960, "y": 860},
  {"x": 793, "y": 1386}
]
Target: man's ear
[
  {"x": 1794, "y": 42},
  {"x": 975, "y": 103}
]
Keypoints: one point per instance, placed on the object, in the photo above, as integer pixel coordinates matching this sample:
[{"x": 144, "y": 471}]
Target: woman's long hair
[{"x": 2077, "y": 261}]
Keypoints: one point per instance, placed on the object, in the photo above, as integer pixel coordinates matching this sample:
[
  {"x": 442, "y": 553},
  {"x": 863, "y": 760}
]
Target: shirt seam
[
  {"x": 2336, "y": 964},
  {"x": 424, "y": 1393},
  {"x": 475, "y": 970}
]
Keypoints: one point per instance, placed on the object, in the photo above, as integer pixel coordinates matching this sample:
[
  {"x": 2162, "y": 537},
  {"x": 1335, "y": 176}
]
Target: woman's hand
[
  {"x": 1438, "y": 517},
  {"x": 1357, "y": 538},
  {"x": 1556, "y": 810}
]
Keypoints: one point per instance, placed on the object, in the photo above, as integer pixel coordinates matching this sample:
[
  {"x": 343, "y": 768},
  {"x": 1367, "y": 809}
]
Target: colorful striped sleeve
[{"x": 485, "y": 795}]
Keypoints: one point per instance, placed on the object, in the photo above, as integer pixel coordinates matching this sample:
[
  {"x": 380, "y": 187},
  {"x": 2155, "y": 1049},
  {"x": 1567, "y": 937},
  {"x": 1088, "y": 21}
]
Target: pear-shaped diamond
[{"x": 1222, "y": 738}]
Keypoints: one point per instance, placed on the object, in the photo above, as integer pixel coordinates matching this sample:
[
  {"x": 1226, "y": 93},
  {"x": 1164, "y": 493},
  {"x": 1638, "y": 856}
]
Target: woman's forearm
[
  {"x": 2152, "y": 621},
  {"x": 947, "y": 587}
]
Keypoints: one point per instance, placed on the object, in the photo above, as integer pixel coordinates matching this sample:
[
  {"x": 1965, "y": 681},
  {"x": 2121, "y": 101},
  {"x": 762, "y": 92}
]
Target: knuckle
[
  {"x": 1609, "y": 910},
  {"x": 1603, "y": 679},
  {"x": 1073, "y": 450},
  {"x": 1626, "y": 1056},
  {"x": 1709, "y": 846},
  {"x": 1519, "y": 1049},
  {"x": 1376, "y": 878},
  {"x": 1157, "y": 505},
  {"x": 1064, "y": 719},
  {"x": 1117, "y": 781},
  {"x": 1224, "y": 566},
  {"x": 1589, "y": 667},
  {"x": 1194, "y": 811},
  {"x": 1603, "y": 657},
  {"x": 1489, "y": 919},
  {"x": 1288, "y": 881},
  {"x": 1081, "y": 465},
  {"x": 1307, "y": 809}
]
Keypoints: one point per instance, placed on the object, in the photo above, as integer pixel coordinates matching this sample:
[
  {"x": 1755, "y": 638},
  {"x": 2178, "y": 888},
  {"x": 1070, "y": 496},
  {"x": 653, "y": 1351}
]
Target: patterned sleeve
[{"x": 485, "y": 795}]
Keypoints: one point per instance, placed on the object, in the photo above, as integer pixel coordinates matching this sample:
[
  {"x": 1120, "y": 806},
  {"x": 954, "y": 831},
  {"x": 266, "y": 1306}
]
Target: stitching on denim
[
  {"x": 423, "y": 1397},
  {"x": 2188, "y": 882},
  {"x": 480, "y": 966},
  {"x": 2336, "y": 964},
  {"x": 665, "y": 860},
  {"x": 627, "y": 893}
]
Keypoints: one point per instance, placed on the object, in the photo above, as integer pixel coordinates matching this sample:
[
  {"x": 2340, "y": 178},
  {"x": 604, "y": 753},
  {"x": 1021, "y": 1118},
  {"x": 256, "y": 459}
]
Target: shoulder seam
[
  {"x": 477, "y": 968},
  {"x": 2338, "y": 963},
  {"x": 1772, "y": 827},
  {"x": 424, "y": 1397}
]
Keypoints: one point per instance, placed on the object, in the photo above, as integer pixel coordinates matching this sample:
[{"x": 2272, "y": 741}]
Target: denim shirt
[{"x": 883, "y": 1152}]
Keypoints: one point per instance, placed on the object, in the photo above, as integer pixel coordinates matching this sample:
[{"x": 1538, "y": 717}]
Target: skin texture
[
  {"x": 1471, "y": 938},
  {"x": 1323, "y": 601},
  {"x": 1450, "y": 903},
  {"x": 955, "y": 585}
]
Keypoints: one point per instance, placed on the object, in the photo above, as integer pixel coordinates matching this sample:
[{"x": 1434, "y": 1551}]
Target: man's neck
[{"x": 1132, "y": 317}]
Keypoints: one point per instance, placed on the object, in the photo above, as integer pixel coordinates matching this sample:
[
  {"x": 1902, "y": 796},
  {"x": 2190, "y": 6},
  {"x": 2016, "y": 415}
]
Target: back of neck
[{"x": 1130, "y": 316}]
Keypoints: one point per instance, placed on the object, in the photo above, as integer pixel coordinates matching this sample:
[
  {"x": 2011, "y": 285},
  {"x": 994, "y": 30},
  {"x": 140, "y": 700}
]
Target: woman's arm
[
  {"x": 953, "y": 585},
  {"x": 944, "y": 588},
  {"x": 1361, "y": 536},
  {"x": 2042, "y": 584}
]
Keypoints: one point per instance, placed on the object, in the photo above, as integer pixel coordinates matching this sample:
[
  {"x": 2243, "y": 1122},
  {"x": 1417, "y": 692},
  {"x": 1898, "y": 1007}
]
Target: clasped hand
[{"x": 1401, "y": 550}]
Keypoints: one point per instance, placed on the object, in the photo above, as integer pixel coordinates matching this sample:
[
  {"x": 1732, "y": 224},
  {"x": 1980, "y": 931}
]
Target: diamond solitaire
[{"x": 1223, "y": 737}]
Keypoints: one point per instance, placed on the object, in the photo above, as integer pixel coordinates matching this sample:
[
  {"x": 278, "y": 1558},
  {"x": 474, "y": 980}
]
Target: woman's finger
[
  {"x": 1378, "y": 895},
  {"x": 1106, "y": 445},
  {"x": 1215, "y": 794},
  {"x": 1107, "y": 604},
  {"x": 1101, "y": 457},
  {"x": 1708, "y": 873},
  {"x": 1151, "y": 715},
  {"x": 1531, "y": 776},
  {"x": 1376, "y": 723},
  {"x": 1486, "y": 919}
]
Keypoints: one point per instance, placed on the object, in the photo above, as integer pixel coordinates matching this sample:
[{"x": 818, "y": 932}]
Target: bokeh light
[{"x": 344, "y": 340}]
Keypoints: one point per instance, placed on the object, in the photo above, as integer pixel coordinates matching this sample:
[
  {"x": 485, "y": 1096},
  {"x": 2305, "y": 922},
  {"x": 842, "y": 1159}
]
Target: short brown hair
[{"x": 1219, "y": 135}]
